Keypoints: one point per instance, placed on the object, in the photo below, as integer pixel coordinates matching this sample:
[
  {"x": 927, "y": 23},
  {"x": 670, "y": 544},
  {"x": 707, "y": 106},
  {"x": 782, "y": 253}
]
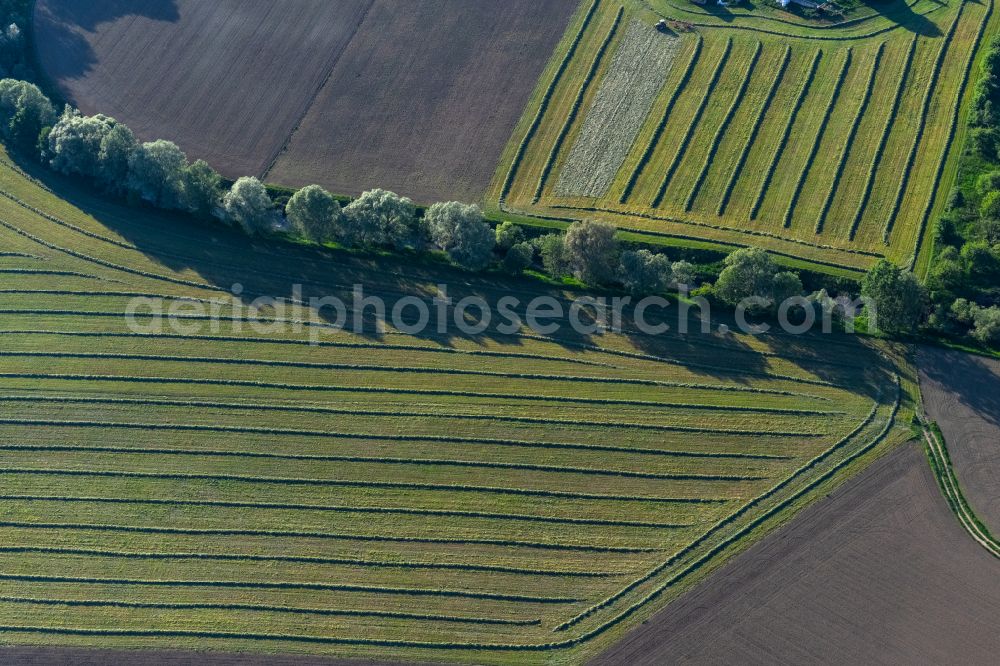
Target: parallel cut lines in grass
[
  {"x": 925, "y": 107},
  {"x": 818, "y": 139},
  {"x": 375, "y": 510},
  {"x": 264, "y": 608},
  {"x": 297, "y": 432},
  {"x": 543, "y": 105},
  {"x": 692, "y": 125},
  {"x": 346, "y": 483},
  {"x": 741, "y": 161},
  {"x": 890, "y": 120},
  {"x": 333, "y": 388},
  {"x": 723, "y": 126},
  {"x": 852, "y": 133},
  {"x": 654, "y": 139},
  {"x": 783, "y": 143},
  {"x": 360, "y": 367},
  {"x": 48, "y": 271},
  {"x": 288, "y": 585},
  {"x": 577, "y": 105},
  {"x": 334, "y": 536},
  {"x": 299, "y": 559},
  {"x": 952, "y": 130}
]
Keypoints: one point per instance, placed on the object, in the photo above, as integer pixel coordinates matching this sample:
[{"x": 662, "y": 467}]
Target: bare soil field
[
  {"x": 225, "y": 80},
  {"x": 424, "y": 100},
  {"x": 962, "y": 393},
  {"x": 351, "y": 95},
  {"x": 881, "y": 572}
]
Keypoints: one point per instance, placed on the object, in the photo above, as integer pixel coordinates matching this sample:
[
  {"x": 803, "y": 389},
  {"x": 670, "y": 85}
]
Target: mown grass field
[
  {"x": 832, "y": 143},
  {"x": 491, "y": 499}
]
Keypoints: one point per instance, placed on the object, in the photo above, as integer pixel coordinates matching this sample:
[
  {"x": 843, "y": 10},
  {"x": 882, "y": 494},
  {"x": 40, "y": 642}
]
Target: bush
[
  {"x": 314, "y": 214},
  {"x": 248, "y": 205},
  {"x": 379, "y": 217},
  {"x": 555, "y": 259},
  {"x": 508, "y": 235},
  {"x": 643, "y": 272},
  {"x": 990, "y": 206},
  {"x": 459, "y": 230},
  {"x": 156, "y": 174},
  {"x": 986, "y": 183},
  {"x": 683, "y": 273},
  {"x": 592, "y": 251},
  {"x": 983, "y": 141},
  {"x": 519, "y": 257}
]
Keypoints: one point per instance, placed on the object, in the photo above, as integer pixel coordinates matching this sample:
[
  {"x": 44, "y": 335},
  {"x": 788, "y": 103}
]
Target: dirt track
[
  {"x": 362, "y": 93},
  {"x": 962, "y": 393},
  {"x": 879, "y": 573}
]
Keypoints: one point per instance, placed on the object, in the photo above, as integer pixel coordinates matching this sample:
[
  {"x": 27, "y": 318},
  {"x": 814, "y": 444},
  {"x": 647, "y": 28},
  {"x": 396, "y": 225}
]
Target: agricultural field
[
  {"x": 830, "y": 143},
  {"x": 494, "y": 498},
  {"x": 881, "y": 572},
  {"x": 312, "y": 91}
]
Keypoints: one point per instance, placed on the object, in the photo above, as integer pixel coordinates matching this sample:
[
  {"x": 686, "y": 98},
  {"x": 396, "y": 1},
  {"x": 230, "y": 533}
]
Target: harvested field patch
[
  {"x": 622, "y": 103},
  {"x": 498, "y": 498},
  {"x": 962, "y": 394},
  {"x": 313, "y": 92},
  {"x": 880, "y": 572}
]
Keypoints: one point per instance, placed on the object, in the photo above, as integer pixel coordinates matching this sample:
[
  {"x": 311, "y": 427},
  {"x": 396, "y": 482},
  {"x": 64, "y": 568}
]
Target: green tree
[
  {"x": 643, "y": 272},
  {"x": 683, "y": 272},
  {"x": 459, "y": 230},
  {"x": 895, "y": 296},
  {"x": 113, "y": 157},
  {"x": 519, "y": 257},
  {"x": 202, "y": 187},
  {"x": 508, "y": 235},
  {"x": 380, "y": 217},
  {"x": 314, "y": 214},
  {"x": 248, "y": 205},
  {"x": 552, "y": 249},
  {"x": 75, "y": 143},
  {"x": 988, "y": 182},
  {"x": 24, "y": 111},
  {"x": 592, "y": 251},
  {"x": 156, "y": 171}
]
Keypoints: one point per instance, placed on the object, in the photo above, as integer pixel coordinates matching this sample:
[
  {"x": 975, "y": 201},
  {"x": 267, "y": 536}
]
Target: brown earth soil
[
  {"x": 962, "y": 393},
  {"x": 419, "y": 97},
  {"x": 881, "y": 572}
]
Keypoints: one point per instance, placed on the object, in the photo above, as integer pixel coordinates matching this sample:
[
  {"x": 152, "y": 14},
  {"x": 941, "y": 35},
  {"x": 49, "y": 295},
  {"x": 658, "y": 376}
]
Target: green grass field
[
  {"x": 493, "y": 498},
  {"x": 830, "y": 143}
]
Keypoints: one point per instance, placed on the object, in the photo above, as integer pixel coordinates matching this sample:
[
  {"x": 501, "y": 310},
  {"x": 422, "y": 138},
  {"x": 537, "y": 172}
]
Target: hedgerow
[
  {"x": 814, "y": 151},
  {"x": 890, "y": 122},
  {"x": 723, "y": 126},
  {"x": 852, "y": 133},
  {"x": 693, "y": 125},
  {"x": 543, "y": 105},
  {"x": 654, "y": 140},
  {"x": 577, "y": 105},
  {"x": 812, "y": 25},
  {"x": 727, "y": 192},
  {"x": 783, "y": 143},
  {"x": 911, "y": 158}
]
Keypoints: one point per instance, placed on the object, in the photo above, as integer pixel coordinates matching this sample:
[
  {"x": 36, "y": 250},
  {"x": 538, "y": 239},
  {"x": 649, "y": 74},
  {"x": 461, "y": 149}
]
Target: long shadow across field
[{"x": 61, "y": 21}]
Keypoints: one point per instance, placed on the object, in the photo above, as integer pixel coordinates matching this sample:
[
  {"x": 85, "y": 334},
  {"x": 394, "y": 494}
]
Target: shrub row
[
  {"x": 723, "y": 126},
  {"x": 378, "y": 538},
  {"x": 811, "y": 25},
  {"x": 783, "y": 143},
  {"x": 727, "y": 193},
  {"x": 693, "y": 125},
  {"x": 263, "y": 608},
  {"x": 838, "y": 174},
  {"x": 814, "y": 151},
  {"x": 272, "y": 480},
  {"x": 921, "y": 126},
  {"x": 543, "y": 105},
  {"x": 577, "y": 105},
  {"x": 654, "y": 140},
  {"x": 884, "y": 139},
  {"x": 723, "y": 523},
  {"x": 952, "y": 131}
]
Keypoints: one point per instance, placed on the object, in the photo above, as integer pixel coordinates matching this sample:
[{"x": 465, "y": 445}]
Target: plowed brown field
[
  {"x": 419, "y": 97},
  {"x": 881, "y": 572}
]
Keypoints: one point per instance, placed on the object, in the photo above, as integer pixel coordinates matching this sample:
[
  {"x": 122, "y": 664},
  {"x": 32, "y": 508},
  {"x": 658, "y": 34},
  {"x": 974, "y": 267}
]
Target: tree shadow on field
[
  {"x": 974, "y": 381},
  {"x": 63, "y": 28},
  {"x": 902, "y": 14},
  {"x": 270, "y": 268}
]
